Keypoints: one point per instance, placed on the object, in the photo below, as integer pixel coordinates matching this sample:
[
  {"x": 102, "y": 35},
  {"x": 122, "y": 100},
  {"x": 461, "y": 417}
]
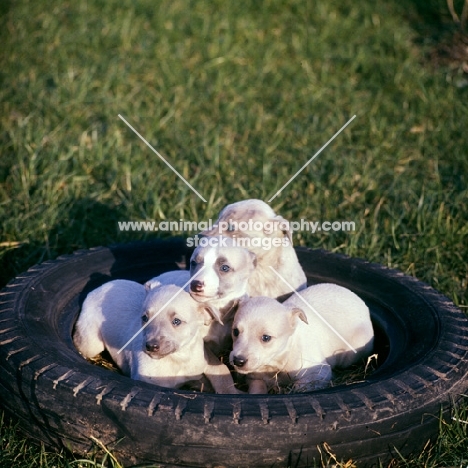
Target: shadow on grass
[
  {"x": 5, "y": 6},
  {"x": 426, "y": 15},
  {"x": 83, "y": 223},
  {"x": 432, "y": 21}
]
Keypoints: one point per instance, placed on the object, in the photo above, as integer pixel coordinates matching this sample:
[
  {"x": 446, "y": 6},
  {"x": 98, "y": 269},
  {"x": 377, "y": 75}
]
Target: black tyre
[{"x": 63, "y": 400}]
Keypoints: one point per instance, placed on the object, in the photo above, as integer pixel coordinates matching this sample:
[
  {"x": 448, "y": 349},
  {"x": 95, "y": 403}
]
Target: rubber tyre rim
[{"x": 66, "y": 402}]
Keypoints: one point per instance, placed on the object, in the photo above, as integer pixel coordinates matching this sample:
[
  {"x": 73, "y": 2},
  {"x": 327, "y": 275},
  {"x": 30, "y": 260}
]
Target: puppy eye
[
  {"x": 266, "y": 338},
  {"x": 235, "y": 332},
  {"x": 144, "y": 318},
  {"x": 231, "y": 228},
  {"x": 225, "y": 268},
  {"x": 193, "y": 263},
  {"x": 176, "y": 322}
]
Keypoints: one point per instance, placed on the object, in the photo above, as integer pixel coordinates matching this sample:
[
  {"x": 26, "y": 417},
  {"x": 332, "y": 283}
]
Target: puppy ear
[
  {"x": 253, "y": 257},
  {"x": 243, "y": 300},
  {"x": 300, "y": 314},
  {"x": 210, "y": 314},
  {"x": 151, "y": 284},
  {"x": 284, "y": 226}
]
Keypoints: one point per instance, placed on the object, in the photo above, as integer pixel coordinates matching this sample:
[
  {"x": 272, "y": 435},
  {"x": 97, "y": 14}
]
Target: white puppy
[
  {"x": 220, "y": 274},
  {"x": 254, "y": 225},
  {"x": 300, "y": 341},
  {"x": 165, "y": 326}
]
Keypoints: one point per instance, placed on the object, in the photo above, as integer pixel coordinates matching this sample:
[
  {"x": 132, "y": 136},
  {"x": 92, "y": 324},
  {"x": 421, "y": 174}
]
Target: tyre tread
[{"x": 398, "y": 395}]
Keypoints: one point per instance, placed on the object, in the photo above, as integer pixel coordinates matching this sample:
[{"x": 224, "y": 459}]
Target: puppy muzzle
[
  {"x": 197, "y": 286},
  {"x": 239, "y": 361},
  {"x": 157, "y": 349},
  {"x": 202, "y": 296}
]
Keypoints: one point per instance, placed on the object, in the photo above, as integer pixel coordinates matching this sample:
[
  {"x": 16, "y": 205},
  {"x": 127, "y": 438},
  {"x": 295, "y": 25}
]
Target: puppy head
[
  {"x": 171, "y": 320},
  {"x": 220, "y": 271},
  {"x": 251, "y": 219},
  {"x": 261, "y": 333}
]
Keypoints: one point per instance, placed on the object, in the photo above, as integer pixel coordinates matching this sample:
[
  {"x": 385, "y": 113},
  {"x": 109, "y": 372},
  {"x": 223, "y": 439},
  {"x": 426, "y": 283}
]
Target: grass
[
  {"x": 237, "y": 96},
  {"x": 15, "y": 451}
]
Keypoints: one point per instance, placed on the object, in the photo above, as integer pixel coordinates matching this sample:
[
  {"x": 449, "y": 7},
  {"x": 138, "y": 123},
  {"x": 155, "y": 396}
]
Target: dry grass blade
[
  {"x": 114, "y": 462},
  {"x": 104, "y": 360},
  {"x": 464, "y": 15},
  {"x": 330, "y": 459},
  {"x": 452, "y": 11}
]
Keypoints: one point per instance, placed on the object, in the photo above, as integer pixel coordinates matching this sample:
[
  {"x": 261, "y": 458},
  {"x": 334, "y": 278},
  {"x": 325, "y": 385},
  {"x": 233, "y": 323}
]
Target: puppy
[
  {"x": 220, "y": 274},
  {"x": 165, "y": 328},
  {"x": 269, "y": 237},
  {"x": 299, "y": 342}
]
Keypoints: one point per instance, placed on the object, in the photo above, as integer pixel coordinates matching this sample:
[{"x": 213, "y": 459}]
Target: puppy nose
[
  {"x": 152, "y": 346},
  {"x": 196, "y": 286},
  {"x": 239, "y": 361}
]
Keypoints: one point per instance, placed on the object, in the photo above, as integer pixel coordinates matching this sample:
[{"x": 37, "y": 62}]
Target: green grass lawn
[{"x": 237, "y": 95}]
